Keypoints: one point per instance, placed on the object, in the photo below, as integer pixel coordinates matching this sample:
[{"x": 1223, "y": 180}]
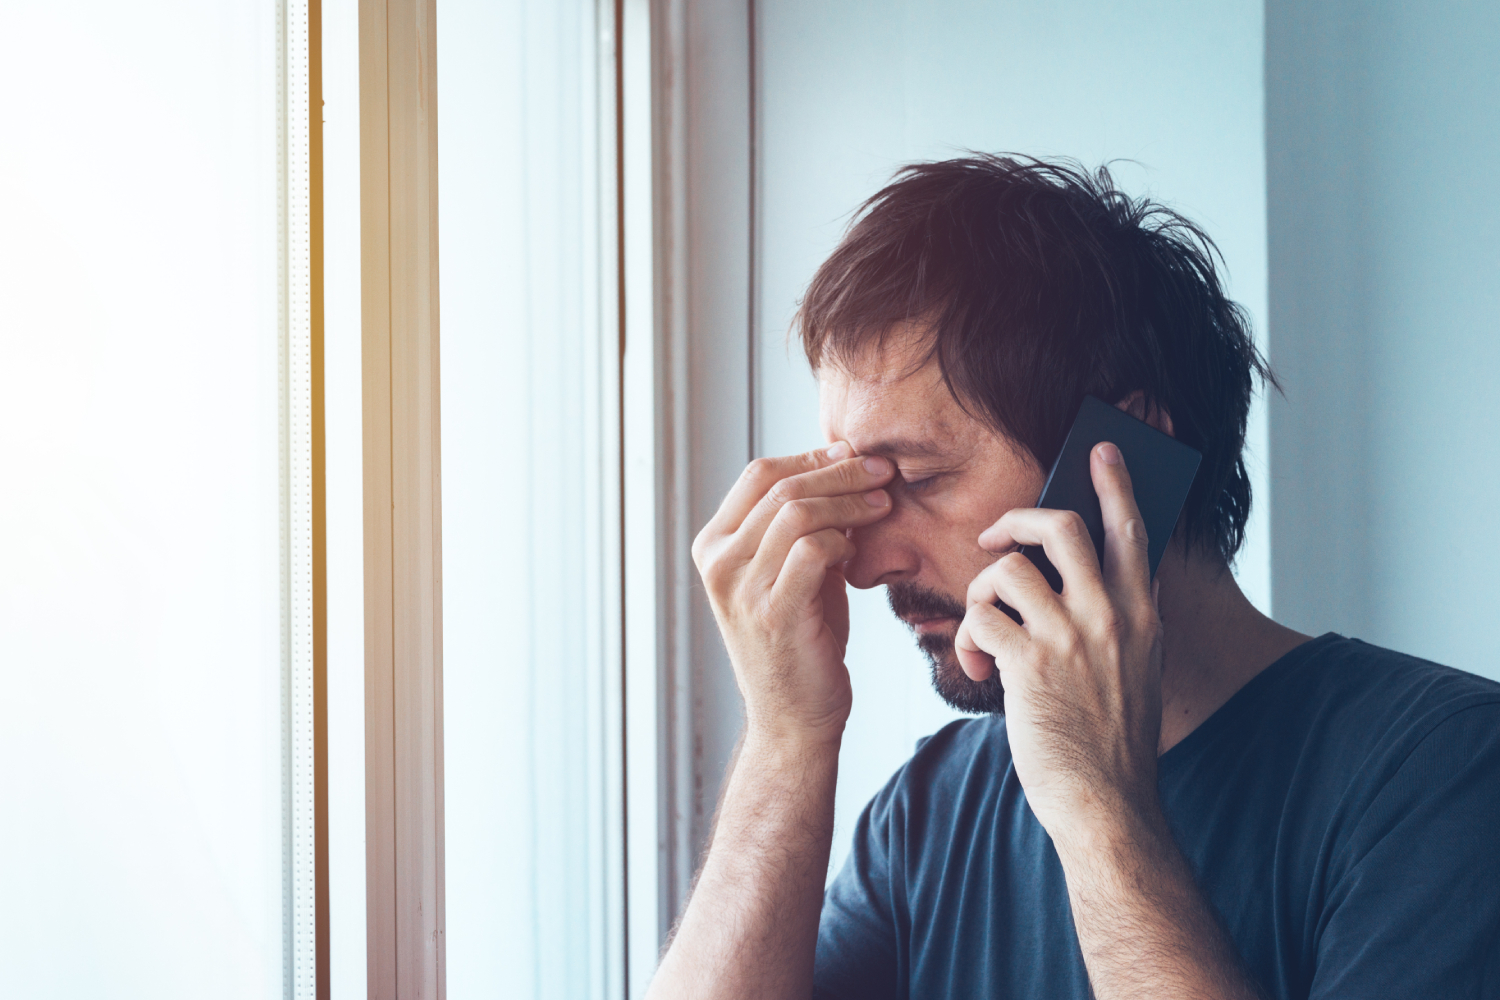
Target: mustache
[{"x": 911, "y": 602}]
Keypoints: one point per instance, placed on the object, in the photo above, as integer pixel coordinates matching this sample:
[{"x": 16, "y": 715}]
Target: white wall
[
  {"x": 140, "y": 615},
  {"x": 849, "y": 91},
  {"x": 1383, "y": 128}
]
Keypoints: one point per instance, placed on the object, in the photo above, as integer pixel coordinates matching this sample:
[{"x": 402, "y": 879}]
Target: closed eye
[{"x": 918, "y": 485}]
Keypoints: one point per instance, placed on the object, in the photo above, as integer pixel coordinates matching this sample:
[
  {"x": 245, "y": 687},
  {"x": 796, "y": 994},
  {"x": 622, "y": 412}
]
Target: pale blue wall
[{"x": 1383, "y": 135}]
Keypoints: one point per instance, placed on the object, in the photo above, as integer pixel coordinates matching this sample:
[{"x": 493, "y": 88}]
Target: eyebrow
[{"x": 906, "y": 447}]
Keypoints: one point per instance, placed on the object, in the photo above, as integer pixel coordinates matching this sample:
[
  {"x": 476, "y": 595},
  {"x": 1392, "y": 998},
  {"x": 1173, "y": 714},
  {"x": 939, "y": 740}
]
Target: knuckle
[
  {"x": 718, "y": 585},
  {"x": 700, "y": 549},
  {"x": 1070, "y": 522},
  {"x": 845, "y": 475},
  {"x": 989, "y": 620},
  {"x": 760, "y": 470},
  {"x": 838, "y": 544},
  {"x": 797, "y": 514},
  {"x": 717, "y": 566},
  {"x": 1013, "y": 564},
  {"x": 711, "y": 569},
  {"x": 815, "y": 459},
  {"x": 761, "y": 608},
  {"x": 787, "y": 491},
  {"x": 853, "y": 506},
  {"x": 808, "y": 546},
  {"x": 820, "y": 547},
  {"x": 854, "y": 474},
  {"x": 1113, "y": 624}
]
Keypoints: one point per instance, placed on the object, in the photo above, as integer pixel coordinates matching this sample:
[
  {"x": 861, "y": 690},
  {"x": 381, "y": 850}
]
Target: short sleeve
[
  {"x": 857, "y": 933},
  {"x": 1414, "y": 908}
]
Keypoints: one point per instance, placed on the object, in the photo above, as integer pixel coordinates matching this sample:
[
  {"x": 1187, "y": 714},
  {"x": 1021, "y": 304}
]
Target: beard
[{"x": 911, "y": 602}]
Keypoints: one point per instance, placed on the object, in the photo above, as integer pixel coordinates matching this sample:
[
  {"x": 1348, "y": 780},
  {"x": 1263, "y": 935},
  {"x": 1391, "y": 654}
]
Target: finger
[
  {"x": 1014, "y": 579},
  {"x": 806, "y": 567},
  {"x": 1061, "y": 534},
  {"x": 799, "y": 518},
  {"x": 853, "y": 476},
  {"x": 1127, "y": 566},
  {"x": 985, "y": 635},
  {"x": 762, "y": 474}
]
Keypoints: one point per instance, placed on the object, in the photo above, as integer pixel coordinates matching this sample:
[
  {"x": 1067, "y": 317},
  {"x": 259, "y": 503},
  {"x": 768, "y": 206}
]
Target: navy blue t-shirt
[{"x": 1341, "y": 814}]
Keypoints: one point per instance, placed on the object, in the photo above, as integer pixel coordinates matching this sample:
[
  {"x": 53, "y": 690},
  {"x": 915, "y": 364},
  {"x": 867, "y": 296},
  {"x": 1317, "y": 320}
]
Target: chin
[{"x": 986, "y": 697}]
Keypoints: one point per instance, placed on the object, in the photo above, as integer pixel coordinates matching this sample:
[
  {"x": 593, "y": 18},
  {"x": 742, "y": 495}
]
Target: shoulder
[
  {"x": 1359, "y": 666},
  {"x": 1363, "y": 694},
  {"x": 1316, "y": 740},
  {"x": 1373, "y": 733},
  {"x": 1429, "y": 716},
  {"x": 1413, "y": 843}
]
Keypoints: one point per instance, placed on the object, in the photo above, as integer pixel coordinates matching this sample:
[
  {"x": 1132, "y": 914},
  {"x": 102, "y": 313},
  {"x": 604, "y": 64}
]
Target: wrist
[
  {"x": 1113, "y": 832},
  {"x": 782, "y": 744}
]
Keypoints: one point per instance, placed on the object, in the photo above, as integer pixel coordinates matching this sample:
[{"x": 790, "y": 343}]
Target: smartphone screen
[{"x": 1161, "y": 473}]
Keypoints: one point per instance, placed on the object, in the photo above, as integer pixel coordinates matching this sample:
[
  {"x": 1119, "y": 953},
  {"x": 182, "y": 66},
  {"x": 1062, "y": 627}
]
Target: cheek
[
  {"x": 954, "y": 544},
  {"x": 949, "y": 546},
  {"x": 985, "y": 504},
  {"x": 961, "y": 567}
]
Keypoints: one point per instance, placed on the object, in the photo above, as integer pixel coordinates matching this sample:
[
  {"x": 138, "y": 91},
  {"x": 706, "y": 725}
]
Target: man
[{"x": 1165, "y": 794}]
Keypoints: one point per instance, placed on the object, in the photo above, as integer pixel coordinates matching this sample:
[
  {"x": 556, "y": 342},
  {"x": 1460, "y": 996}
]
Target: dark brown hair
[{"x": 1038, "y": 282}]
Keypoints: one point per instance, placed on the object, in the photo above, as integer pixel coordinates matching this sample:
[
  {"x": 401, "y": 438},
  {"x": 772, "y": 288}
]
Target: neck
[{"x": 1213, "y": 640}]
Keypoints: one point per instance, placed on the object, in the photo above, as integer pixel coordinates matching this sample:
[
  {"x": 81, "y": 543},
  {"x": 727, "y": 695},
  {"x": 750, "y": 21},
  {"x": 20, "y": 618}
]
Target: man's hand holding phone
[
  {"x": 1082, "y": 677},
  {"x": 772, "y": 562}
]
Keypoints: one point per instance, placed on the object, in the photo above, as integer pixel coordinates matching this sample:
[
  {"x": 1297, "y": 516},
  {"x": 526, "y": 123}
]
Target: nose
[{"x": 884, "y": 552}]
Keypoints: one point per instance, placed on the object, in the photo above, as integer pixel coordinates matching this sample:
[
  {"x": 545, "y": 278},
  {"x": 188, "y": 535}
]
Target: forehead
[{"x": 886, "y": 401}]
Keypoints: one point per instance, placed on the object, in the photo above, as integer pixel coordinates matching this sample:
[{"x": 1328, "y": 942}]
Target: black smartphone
[{"x": 1161, "y": 473}]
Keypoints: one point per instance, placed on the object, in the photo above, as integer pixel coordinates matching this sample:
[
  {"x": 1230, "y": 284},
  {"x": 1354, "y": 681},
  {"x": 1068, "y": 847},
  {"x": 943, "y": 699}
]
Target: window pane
[{"x": 140, "y": 526}]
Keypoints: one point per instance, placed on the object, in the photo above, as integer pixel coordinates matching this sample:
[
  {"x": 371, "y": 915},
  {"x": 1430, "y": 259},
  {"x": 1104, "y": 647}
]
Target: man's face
[{"x": 955, "y": 477}]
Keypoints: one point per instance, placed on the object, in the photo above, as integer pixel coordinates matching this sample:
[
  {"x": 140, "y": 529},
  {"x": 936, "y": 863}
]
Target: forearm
[
  {"x": 1143, "y": 925},
  {"x": 751, "y": 926}
]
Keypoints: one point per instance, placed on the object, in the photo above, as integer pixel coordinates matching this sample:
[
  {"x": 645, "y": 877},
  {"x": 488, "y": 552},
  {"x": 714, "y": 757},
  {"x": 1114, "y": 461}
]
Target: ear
[{"x": 1135, "y": 405}]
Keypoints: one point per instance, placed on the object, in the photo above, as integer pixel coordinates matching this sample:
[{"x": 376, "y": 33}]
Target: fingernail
[
  {"x": 877, "y": 466},
  {"x": 1109, "y": 453},
  {"x": 840, "y": 451},
  {"x": 877, "y": 498}
]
